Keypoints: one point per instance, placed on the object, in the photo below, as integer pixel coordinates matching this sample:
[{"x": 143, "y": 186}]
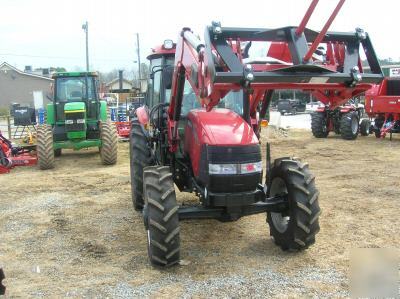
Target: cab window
[
  {"x": 155, "y": 83},
  {"x": 75, "y": 89}
]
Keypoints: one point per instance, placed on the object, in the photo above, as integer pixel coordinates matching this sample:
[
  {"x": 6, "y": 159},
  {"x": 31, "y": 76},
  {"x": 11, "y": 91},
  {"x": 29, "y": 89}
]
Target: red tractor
[
  {"x": 200, "y": 129},
  {"x": 343, "y": 120}
]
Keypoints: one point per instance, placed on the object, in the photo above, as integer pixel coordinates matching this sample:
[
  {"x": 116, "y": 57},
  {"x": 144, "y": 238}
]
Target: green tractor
[{"x": 76, "y": 119}]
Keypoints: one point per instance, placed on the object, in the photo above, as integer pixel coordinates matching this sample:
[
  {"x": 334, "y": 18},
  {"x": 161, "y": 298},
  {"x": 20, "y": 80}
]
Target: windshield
[
  {"x": 233, "y": 100},
  {"x": 74, "y": 89}
]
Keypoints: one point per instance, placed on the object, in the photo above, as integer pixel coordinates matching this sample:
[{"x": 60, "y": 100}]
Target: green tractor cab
[{"x": 76, "y": 119}]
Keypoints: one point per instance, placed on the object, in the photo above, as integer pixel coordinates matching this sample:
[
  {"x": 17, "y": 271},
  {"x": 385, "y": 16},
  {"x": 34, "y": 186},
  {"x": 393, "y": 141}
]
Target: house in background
[
  {"x": 112, "y": 89},
  {"x": 24, "y": 88},
  {"x": 113, "y": 85}
]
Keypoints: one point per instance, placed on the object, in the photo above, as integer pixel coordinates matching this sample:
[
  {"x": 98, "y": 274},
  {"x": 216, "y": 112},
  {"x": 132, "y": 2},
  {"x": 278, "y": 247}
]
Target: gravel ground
[{"x": 72, "y": 232}]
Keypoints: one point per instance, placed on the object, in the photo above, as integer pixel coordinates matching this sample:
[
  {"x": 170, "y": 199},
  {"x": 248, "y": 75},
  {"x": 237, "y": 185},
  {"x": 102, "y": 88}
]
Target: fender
[{"x": 142, "y": 115}]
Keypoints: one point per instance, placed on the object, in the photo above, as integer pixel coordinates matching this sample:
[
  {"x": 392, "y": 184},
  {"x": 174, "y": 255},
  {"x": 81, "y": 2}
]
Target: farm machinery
[
  {"x": 12, "y": 155},
  {"x": 121, "y": 114},
  {"x": 76, "y": 119},
  {"x": 382, "y": 104},
  {"x": 344, "y": 120},
  {"x": 200, "y": 129}
]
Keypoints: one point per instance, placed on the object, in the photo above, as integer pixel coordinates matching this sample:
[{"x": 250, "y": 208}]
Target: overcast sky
[{"x": 45, "y": 33}]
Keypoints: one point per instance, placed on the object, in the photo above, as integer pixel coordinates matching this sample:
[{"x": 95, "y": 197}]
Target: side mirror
[{"x": 167, "y": 74}]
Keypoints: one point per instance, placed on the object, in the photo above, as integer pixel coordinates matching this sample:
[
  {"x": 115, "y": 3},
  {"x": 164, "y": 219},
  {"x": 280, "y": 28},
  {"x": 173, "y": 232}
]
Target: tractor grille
[
  {"x": 226, "y": 155},
  {"x": 234, "y": 183},
  {"x": 71, "y": 121},
  {"x": 234, "y": 154}
]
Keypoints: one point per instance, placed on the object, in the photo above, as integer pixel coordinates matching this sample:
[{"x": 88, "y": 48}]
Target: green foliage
[{"x": 60, "y": 69}]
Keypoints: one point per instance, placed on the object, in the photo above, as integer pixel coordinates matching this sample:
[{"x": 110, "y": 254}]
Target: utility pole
[
  {"x": 85, "y": 28},
  {"x": 138, "y": 60}
]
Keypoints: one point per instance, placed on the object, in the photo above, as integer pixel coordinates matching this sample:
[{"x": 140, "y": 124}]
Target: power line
[{"x": 62, "y": 57}]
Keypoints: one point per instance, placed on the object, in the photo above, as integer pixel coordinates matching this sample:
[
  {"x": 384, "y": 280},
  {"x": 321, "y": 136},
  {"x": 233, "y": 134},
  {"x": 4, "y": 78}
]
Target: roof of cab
[{"x": 74, "y": 74}]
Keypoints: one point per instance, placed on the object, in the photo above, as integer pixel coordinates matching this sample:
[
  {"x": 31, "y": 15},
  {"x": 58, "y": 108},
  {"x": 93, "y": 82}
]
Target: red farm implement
[
  {"x": 123, "y": 129},
  {"x": 12, "y": 156},
  {"x": 201, "y": 128},
  {"x": 382, "y": 104}
]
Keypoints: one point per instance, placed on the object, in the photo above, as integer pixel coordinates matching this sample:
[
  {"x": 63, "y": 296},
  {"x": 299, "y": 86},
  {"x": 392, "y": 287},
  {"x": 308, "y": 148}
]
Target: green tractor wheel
[
  {"x": 109, "y": 143},
  {"x": 45, "y": 151}
]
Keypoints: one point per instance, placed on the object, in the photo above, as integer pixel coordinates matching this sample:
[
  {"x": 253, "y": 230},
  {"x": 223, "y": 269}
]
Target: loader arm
[{"x": 217, "y": 66}]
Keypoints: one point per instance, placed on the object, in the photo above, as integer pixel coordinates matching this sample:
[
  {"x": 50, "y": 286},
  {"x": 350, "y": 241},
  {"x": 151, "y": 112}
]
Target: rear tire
[
  {"x": 44, "y": 147},
  {"x": 296, "y": 229},
  {"x": 319, "y": 125},
  {"x": 140, "y": 157},
  {"x": 109, "y": 143},
  {"x": 365, "y": 127},
  {"x": 161, "y": 216},
  {"x": 349, "y": 125}
]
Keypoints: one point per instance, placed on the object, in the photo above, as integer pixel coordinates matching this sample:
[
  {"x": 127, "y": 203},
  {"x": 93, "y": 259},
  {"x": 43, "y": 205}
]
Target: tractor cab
[
  {"x": 158, "y": 96},
  {"x": 159, "y": 86}
]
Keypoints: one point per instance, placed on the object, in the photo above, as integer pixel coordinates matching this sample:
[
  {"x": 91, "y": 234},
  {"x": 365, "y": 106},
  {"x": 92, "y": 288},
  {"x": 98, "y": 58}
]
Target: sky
[{"x": 44, "y": 33}]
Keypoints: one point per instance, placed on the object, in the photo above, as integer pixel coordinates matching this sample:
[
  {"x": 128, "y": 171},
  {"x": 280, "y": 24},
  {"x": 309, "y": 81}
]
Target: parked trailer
[{"x": 382, "y": 104}]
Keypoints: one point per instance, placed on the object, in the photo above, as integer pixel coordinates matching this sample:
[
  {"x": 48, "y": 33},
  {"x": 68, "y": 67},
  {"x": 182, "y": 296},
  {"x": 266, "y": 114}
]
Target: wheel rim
[
  {"x": 148, "y": 238},
  {"x": 280, "y": 222},
  {"x": 324, "y": 125},
  {"x": 354, "y": 125}
]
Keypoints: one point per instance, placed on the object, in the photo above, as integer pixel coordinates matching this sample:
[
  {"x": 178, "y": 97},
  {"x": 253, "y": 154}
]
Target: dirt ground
[{"x": 72, "y": 231}]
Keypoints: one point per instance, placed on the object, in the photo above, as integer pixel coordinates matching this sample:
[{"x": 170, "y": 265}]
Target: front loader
[
  {"x": 76, "y": 119},
  {"x": 200, "y": 131}
]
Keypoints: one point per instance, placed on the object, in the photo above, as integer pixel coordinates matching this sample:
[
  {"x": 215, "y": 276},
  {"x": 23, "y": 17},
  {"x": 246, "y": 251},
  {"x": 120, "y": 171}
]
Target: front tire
[
  {"x": 319, "y": 125},
  {"x": 161, "y": 216},
  {"x": 295, "y": 229},
  {"x": 140, "y": 157},
  {"x": 109, "y": 143},
  {"x": 349, "y": 125},
  {"x": 44, "y": 146},
  {"x": 365, "y": 127}
]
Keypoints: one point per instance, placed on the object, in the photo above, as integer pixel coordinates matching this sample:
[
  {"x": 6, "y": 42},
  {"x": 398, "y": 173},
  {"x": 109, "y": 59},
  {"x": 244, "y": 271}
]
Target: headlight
[
  {"x": 168, "y": 44},
  {"x": 251, "y": 167},
  {"x": 245, "y": 168},
  {"x": 69, "y": 121},
  {"x": 80, "y": 121},
  {"x": 222, "y": 168}
]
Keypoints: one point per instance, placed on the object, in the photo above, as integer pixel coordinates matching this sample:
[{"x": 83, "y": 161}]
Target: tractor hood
[
  {"x": 74, "y": 107},
  {"x": 221, "y": 127}
]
